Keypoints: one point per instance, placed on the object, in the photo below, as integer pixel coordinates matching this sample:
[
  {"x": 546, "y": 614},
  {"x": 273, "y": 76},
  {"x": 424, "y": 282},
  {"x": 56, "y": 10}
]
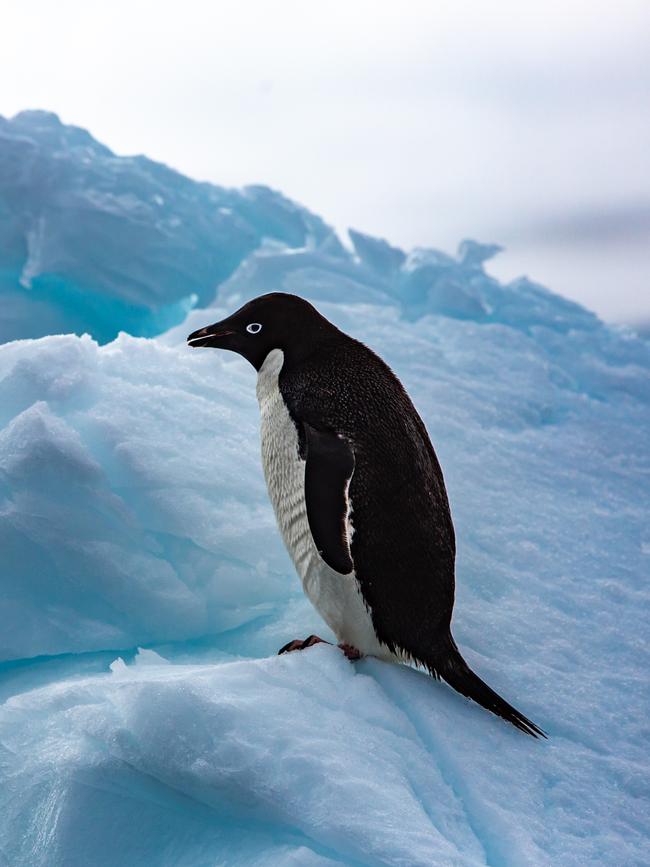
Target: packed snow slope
[{"x": 133, "y": 514}]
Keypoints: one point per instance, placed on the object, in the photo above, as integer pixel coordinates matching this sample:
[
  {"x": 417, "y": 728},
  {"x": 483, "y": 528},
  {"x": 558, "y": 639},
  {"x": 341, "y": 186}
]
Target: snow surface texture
[{"x": 133, "y": 512}]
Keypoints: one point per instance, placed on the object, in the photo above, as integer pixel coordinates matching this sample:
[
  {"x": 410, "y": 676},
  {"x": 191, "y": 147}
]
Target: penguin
[{"x": 357, "y": 491}]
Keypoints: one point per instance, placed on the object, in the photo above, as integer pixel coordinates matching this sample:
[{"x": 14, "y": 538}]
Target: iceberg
[
  {"x": 92, "y": 242},
  {"x": 145, "y": 718},
  {"x": 97, "y": 243}
]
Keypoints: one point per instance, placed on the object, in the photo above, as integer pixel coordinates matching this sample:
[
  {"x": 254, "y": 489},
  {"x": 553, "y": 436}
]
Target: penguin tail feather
[{"x": 449, "y": 665}]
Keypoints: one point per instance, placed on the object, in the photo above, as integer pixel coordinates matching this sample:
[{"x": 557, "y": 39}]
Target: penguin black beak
[{"x": 209, "y": 336}]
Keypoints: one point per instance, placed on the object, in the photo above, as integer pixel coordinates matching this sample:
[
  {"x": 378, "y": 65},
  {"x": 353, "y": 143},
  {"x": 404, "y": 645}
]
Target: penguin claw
[
  {"x": 297, "y": 644},
  {"x": 350, "y": 651}
]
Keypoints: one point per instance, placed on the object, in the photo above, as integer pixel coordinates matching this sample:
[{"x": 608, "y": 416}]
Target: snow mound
[
  {"x": 133, "y": 512},
  {"x": 304, "y": 759},
  {"x": 132, "y": 505}
]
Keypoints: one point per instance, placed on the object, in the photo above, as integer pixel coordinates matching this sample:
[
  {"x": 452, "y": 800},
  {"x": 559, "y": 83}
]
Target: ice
[
  {"x": 145, "y": 717},
  {"x": 423, "y": 282},
  {"x": 132, "y": 505},
  {"x": 235, "y": 759},
  {"x": 94, "y": 242},
  {"x": 303, "y": 759},
  {"x": 316, "y": 274},
  {"x": 377, "y": 254}
]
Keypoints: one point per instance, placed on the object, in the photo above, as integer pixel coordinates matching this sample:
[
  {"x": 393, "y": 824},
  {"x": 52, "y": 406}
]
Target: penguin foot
[
  {"x": 297, "y": 644},
  {"x": 350, "y": 652}
]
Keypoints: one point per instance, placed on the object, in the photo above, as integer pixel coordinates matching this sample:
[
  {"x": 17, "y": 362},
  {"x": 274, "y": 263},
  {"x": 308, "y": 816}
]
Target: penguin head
[{"x": 273, "y": 321}]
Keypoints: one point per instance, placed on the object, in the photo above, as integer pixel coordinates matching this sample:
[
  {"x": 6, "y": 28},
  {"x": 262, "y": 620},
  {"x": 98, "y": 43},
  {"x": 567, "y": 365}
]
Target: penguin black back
[{"x": 400, "y": 512}]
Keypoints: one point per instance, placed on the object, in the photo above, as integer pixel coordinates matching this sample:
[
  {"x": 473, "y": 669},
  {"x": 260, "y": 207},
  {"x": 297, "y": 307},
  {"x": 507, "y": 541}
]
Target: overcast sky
[{"x": 523, "y": 123}]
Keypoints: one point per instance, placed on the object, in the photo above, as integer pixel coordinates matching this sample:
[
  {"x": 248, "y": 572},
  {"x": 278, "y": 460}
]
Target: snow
[
  {"x": 145, "y": 716},
  {"x": 133, "y": 507},
  {"x": 302, "y": 759},
  {"x": 133, "y": 512}
]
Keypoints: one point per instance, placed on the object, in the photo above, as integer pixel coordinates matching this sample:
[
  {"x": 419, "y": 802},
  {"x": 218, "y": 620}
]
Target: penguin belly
[{"x": 336, "y": 597}]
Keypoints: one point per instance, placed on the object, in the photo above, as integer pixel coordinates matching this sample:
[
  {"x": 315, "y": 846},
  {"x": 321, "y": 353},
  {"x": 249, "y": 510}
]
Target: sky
[{"x": 523, "y": 123}]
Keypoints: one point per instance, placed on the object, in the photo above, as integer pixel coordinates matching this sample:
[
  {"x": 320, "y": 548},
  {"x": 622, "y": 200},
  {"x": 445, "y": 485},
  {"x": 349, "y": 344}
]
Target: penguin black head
[{"x": 273, "y": 321}]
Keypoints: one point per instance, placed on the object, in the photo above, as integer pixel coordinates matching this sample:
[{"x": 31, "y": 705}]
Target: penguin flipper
[{"x": 330, "y": 465}]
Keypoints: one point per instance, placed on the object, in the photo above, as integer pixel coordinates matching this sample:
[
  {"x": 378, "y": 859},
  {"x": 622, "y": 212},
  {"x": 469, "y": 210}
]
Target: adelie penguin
[{"x": 357, "y": 490}]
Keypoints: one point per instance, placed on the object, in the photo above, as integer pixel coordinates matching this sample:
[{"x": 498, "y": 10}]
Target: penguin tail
[{"x": 449, "y": 665}]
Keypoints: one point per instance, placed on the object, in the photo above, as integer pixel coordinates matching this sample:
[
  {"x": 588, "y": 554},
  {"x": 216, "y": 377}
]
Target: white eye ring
[{"x": 254, "y": 328}]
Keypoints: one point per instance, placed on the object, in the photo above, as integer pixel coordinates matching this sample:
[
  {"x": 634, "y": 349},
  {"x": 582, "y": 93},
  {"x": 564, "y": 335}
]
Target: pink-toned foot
[
  {"x": 350, "y": 652},
  {"x": 297, "y": 644}
]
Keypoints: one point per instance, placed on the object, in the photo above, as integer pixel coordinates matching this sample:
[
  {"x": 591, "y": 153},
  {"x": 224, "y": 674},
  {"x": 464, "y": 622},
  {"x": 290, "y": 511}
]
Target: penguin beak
[{"x": 211, "y": 335}]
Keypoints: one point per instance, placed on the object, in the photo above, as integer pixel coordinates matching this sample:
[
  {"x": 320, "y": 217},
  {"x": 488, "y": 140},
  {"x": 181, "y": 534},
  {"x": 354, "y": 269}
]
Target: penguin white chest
[{"x": 336, "y": 597}]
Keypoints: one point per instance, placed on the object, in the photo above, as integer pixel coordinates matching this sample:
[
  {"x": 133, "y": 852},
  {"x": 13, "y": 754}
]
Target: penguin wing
[{"x": 329, "y": 468}]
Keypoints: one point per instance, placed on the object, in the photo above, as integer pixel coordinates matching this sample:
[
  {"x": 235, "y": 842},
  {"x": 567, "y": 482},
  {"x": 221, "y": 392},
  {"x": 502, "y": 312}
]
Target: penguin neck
[{"x": 267, "y": 375}]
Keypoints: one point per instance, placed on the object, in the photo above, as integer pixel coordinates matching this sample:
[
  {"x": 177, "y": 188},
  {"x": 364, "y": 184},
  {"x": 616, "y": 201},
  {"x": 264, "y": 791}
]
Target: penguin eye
[{"x": 254, "y": 328}]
